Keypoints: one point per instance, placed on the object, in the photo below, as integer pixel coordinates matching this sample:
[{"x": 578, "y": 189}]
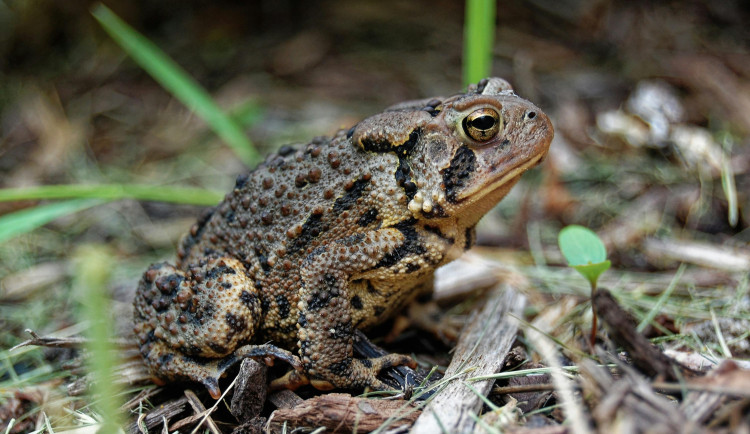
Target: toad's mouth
[{"x": 509, "y": 177}]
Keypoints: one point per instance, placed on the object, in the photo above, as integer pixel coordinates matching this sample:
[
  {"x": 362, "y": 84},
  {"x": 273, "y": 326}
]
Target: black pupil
[{"x": 484, "y": 122}]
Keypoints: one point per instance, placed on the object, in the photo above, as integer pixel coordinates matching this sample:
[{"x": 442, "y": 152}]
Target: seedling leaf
[
  {"x": 584, "y": 252},
  {"x": 592, "y": 271}
]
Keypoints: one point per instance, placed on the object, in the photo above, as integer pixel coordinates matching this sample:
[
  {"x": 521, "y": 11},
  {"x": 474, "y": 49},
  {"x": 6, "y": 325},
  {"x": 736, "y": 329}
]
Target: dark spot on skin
[
  {"x": 192, "y": 350},
  {"x": 317, "y": 252},
  {"x": 218, "y": 348},
  {"x": 205, "y": 310},
  {"x": 331, "y": 282},
  {"x": 318, "y": 301},
  {"x": 313, "y": 227},
  {"x": 505, "y": 143},
  {"x": 456, "y": 176},
  {"x": 169, "y": 284},
  {"x": 342, "y": 368},
  {"x": 349, "y": 199},
  {"x": 278, "y": 162},
  {"x": 368, "y": 217},
  {"x": 265, "y": 304},
  {"x": 366, "y": 363},
  {"x": 351, "y": 240},
  {"x": 383, "y": 145},
  {"x": 161, "y": 304},
  {"x": 471, "y": 237},
  {"x": 379, "y": 310},
  {"x": 403, "y": 178},
  {"x": 149, "y": 338},
  {"x": 356, "y": 302},
  {"x": 436, "y": 230},
  {"x": 410, "y": 246},
  {"x": 411, "y": 267},
  {"x": 402, "y": 151},
  {"x": 262, "y": 255},
  {"x": 263, "y": 261},
  {"x": 236, "y": 325},
  {"x": 165, "y": 358},
  {"x": 229, "y": 216},
  {"x": 249, "y": 300},
  {"x": 437, "y": 212},
  {"x": 241, "y": 180},
  {"x": 350, "y": 133},
  {"x": 302, "y": 320},
  {"x": 208, "y": 251},
  {"x": 286, "y": 150},
  {"x": 371, "y": 288},
  {"x": 283, "y": 304},
  {"x": 217, "y": 271},
  {"x": 342, "y": 330}
]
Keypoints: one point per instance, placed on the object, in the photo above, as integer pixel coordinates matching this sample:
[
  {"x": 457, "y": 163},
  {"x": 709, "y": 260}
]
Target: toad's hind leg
[
  {"x": 326, "y": 330},
  {"x": 195, "y": 324}
]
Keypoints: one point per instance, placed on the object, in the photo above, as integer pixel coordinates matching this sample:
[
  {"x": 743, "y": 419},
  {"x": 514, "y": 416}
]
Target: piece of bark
[
  {"x": 254, "y": 426},
  {"x": 200, "y": 409},
  {"x": 539, "y": 391},
  {"x": 340, "y": 412},
  {"x": 249, "y": 391},
  {"x": 621, "y": 328},
  {"x": 727, "y": 379},
  {"x": 703, "y": 254},
  {"x": 165, "y": 411},
  {"x": 483, "y": 346},
  {"x": 629, "y": 403},
  {"x": 285, "y": 399},
  {"x": 456, "y": 279}
]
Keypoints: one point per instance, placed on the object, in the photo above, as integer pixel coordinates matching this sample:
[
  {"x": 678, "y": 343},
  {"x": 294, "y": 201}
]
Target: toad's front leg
[{"x": 326, "y": 330}]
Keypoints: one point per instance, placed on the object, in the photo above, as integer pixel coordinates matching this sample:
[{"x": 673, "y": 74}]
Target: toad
[{"x": 333, "y": 236}]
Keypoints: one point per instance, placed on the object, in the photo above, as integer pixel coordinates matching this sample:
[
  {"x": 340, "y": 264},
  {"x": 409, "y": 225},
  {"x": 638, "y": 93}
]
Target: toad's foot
[
  {"x": 208, "y": 371},
  {"x": 362, "y": 373}
]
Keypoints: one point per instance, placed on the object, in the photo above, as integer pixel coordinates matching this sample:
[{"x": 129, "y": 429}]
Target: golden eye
[{"x": 482, "y": 125}]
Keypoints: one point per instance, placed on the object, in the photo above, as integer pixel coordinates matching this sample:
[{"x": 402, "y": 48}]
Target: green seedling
[{"x": 585, "y": 252}]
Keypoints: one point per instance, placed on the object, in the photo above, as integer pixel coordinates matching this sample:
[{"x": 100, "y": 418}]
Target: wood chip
[
  {"x": 621, "y": 327},
  {"x": 481, "y": 350},
  {"x": 703, "y": 254},
  {"x": 340, "y": 412},
  {"x": 285, "y": 399},
  {"x": 165, "y": 412},
  {"x": 249, "y": 391}
]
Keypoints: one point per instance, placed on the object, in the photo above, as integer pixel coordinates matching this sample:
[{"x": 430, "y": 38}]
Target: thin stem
[{"x": 592, "y": 338}]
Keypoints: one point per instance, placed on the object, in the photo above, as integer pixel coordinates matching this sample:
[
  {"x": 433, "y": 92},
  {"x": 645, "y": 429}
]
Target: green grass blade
[
  {"x": 479, "y": 35},
  {"x": 26, "y": 220},
  {"x": 173, "y": 78},
  {"x": 159, "y": 193},
  {"x": 657, "y": 308},
  {"x": 93, "y": 268}
]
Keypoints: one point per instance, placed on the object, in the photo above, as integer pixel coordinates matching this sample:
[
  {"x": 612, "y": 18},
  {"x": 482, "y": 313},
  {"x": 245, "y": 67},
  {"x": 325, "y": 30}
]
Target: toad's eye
[{"x": 482, "y": 125}]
